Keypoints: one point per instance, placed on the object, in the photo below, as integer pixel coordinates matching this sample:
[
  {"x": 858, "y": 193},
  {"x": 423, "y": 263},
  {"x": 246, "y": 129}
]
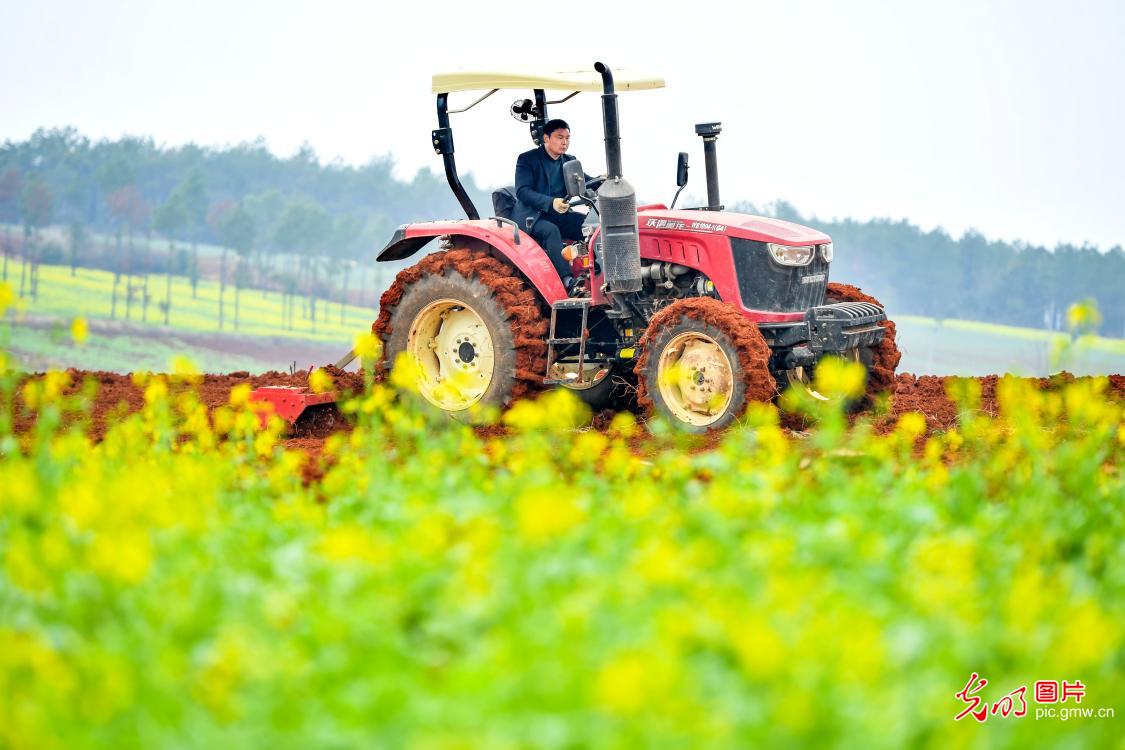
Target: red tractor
[{"x": 694, "y": 312}]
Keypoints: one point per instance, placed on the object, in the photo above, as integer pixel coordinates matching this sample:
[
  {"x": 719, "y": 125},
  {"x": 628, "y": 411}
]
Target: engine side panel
[{"x": 701, "y": 243}]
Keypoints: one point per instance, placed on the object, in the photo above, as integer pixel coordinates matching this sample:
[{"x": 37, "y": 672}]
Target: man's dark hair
[{"x": 553, "y": 125}]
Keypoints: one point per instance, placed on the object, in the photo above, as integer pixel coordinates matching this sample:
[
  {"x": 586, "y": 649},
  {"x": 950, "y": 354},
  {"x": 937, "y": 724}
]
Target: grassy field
[
  {"x": 89, "y": 294},
  {"x": 953, "y": 347},
  {"x": 965, "y": 347},
  {"x": 45, "y": 343}
]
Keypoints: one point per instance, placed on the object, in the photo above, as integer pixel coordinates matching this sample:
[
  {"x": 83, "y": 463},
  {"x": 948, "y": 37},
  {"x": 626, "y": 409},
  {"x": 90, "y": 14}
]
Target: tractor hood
[{"x": 748, "y": 227}]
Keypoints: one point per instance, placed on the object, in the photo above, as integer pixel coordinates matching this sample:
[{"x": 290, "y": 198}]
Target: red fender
[{"x": 514, "y": 245}]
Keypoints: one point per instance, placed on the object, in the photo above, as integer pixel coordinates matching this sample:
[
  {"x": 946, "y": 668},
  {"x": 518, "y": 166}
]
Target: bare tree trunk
[
  {"x": 77, "y": 236},
  {"x": 23, "y": 264},
  {"x": 144, "y": 287},
  {"x": 222, "y": 285},
  {"x": 33, "y": 273},
  {"x": 7, "y": 249},
  {"x": 312, "y": 296},
  {"x": 168, "y": 281},
  {"x": 194, "y": 270},
  {"x": 129, "y": 277},
  {"x": 237, "y": 289},
  {"x": 344, "y": 295},
  {"x": 116, "y": 275}
]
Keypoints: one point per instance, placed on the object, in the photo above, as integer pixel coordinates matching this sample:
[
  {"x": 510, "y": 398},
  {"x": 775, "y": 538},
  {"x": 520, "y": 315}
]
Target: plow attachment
[
  {"x": 288, "y": 402},
  {"x": 291, "y": 402}
]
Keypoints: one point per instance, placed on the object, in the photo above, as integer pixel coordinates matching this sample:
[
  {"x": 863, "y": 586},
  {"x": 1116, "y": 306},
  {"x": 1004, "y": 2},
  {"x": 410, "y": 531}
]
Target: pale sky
[{"x": 1007, "y": 117}]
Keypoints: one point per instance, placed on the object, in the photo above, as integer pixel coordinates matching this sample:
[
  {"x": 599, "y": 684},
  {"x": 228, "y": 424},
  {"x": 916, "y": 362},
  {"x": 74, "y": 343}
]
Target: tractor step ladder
[{"x": 577, "y": 304}]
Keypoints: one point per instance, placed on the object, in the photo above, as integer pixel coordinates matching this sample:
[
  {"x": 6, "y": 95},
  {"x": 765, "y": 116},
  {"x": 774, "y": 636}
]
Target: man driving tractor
[{"x": 541, "y": 194}]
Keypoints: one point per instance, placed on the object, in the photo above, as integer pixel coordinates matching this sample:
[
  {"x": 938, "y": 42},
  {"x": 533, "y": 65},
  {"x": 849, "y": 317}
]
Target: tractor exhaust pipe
[
  {"x": 610, "y": 123},
  {"x": 617, "y": 203},
  {"x": 709, "y": 132}
]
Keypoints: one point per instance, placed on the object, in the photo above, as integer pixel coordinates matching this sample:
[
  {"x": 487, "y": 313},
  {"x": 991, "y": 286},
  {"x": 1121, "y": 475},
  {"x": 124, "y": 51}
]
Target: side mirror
[
  {"x": 681, "y": 169},
  {"x": 574, "y": 178}
]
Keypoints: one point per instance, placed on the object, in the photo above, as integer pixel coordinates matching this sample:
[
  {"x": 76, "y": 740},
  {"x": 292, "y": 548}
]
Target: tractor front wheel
[
  {"x": 880, "y": 360},
  {"x": 702, "y": 363}
]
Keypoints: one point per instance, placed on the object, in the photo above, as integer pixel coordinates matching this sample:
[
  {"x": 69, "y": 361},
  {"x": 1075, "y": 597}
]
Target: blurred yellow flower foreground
[{"x": 178, "y": 585}]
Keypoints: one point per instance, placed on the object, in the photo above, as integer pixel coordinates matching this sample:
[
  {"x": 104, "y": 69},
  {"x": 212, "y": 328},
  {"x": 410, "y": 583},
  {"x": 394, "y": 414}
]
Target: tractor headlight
[
  {"x": 826, "y": 252},
  {"x": 788, "y": 255}
]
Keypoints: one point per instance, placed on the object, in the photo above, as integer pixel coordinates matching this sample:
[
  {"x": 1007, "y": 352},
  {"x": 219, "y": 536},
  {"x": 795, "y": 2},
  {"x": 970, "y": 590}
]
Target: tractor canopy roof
[{"x": 574, "y": 80}]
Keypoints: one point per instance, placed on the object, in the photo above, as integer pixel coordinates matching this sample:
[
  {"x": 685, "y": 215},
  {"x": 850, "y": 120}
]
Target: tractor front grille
[{"x": 766, "y": 285}]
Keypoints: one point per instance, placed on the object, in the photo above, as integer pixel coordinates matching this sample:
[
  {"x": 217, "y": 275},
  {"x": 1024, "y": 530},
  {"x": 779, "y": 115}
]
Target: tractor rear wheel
[
  {"x": 880, "y": 360},
  {"x": 471, "y": 327},
  {"x": 702, "y": 364}
]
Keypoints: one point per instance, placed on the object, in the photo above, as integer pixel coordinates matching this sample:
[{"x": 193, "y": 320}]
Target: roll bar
[{"x": 442, "y": 137}]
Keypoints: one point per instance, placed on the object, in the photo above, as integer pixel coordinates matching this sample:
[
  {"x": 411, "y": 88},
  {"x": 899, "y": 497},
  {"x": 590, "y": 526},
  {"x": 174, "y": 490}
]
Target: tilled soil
[{"x": 118, "y": 395}]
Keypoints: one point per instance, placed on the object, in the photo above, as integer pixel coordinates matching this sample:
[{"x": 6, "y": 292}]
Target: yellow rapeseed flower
[
  {"x": 367, "y": 346},
  {"x": 836, "y": 378},
  {"x": 965, "y": 392},
  {"x": 124, "y": 556},
  {"x": 1087, "y": 635},
  {"x": 79, "y": 330},
  {"x": 31, "y": 392},
  {"x": 20, "y": 485},
  {"x": 240, "y": 395},
  {"x": 7, "y": 297},
  {"x": 1083, "y": 316},
  {"x": 156, "y": 390},
  {"x": 406, "y": 373},
  {"x": 320, "y": 381},
  {"x": 544, "y": 513},
  {"x": 54, "y": 383},
  {"x": 634, "y": 681},
  {"x": 660, "y": 561},
  {"x": 556, "y": 410},
  {"x": 760, "y": 650},
  {"x": 185, "y": 370},
  {"x": 354, "y": 543},
  {"x": 911, "y": 425},
  {"x": 23, "y": 564}
]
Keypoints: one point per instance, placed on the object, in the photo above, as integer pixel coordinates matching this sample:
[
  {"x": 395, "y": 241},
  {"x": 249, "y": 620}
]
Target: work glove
[{"x": 561, "y": 205}]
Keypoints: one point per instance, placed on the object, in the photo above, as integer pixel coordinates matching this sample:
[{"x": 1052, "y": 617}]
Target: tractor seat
[{"x": 504, "y": 202}]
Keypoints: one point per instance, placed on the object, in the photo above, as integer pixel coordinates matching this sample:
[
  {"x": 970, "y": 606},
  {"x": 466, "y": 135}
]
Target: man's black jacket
[{"x": 533, "y": 186}]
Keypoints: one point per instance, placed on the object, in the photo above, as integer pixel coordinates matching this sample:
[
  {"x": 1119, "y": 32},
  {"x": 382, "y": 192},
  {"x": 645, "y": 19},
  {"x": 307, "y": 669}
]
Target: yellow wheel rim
[
  {"x": 453, "y": 353},
  {"x": 695, "y": 378},
  {"x": 799, "y": 377}
]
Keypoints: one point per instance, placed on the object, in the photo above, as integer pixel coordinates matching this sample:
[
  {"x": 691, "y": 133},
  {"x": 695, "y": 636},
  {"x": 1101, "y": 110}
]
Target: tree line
[
  {"x": 930, "y": 273},
  {"x": 294, "y": 224},
  {"x": 302, "y": 227}
]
